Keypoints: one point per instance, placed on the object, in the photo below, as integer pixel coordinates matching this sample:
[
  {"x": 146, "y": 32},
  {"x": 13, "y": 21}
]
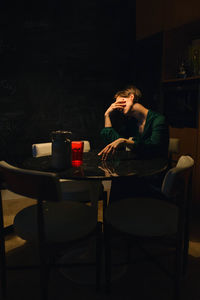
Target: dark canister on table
[{"x": 61, "y": 149}]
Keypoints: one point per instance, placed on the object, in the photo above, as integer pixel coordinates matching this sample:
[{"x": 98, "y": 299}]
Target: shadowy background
[{"x": 61, "y": 63}]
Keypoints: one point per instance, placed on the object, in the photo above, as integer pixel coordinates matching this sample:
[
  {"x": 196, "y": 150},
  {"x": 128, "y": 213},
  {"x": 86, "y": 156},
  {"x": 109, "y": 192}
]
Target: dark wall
[
  {"x": 149, "y": 68},
  {"x": 61, "y": 63}
]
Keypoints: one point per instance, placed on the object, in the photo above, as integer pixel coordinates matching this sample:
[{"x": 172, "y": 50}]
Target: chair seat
[
  {"x": 75, "y": 190},
  {"x": 64, "y": 221},
  {"x": 81, "y": 191},
  {"x": 143, "y": 217}
]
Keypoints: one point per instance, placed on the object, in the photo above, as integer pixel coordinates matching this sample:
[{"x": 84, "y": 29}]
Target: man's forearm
[{"x": 107, "y": 120}]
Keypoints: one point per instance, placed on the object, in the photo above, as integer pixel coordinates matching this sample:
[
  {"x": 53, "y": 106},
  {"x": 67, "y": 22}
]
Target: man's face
[{"x": 128, "y": 104}]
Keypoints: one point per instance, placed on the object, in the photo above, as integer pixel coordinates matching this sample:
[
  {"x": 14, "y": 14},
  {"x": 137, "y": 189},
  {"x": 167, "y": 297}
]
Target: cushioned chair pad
[
  {"x": 64, "y": 221},
  {"x": 143, "y": 217}
]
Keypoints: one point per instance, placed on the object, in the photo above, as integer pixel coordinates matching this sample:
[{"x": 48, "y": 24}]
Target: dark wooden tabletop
[{"x": 123, "y": 164}]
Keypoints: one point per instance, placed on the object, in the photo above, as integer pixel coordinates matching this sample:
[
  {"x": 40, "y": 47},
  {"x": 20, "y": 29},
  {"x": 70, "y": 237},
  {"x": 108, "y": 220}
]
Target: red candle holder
[{"x": 77, "y": 153}]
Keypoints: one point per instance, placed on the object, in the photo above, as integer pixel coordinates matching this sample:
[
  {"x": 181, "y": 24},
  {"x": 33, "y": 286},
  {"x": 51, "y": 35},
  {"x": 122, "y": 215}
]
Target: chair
[
  {"x": 51, "y": 224},
  {"x": 174, "y": 148},
  {"x": 156, "y": 219}
]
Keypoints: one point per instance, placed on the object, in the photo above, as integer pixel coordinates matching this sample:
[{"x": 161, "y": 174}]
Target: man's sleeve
[{"x": 109, "y": 135}]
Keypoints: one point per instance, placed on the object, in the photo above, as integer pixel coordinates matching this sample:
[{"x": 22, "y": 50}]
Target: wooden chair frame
[{"x": 42, "y": 186}]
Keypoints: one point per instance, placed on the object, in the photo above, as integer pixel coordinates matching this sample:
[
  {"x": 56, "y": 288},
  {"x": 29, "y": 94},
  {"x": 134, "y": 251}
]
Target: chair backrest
[
  {"x": 177, "y": 179},
  {"x": 32, "y": 184},
  {"x": 174, "y": 148},
  {"x": 174, "y": 145}
]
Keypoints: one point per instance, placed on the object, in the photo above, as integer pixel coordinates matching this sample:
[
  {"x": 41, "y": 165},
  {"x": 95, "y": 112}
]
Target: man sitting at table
[
  {"x": 148, "y": 129},
  {"x": 127, "y": 117}
]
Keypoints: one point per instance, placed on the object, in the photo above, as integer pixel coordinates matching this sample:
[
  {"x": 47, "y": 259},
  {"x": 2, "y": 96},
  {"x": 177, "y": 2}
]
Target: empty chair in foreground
[
  {"x": 51, "y": 224},
  {"x": 143, "y": 219}
]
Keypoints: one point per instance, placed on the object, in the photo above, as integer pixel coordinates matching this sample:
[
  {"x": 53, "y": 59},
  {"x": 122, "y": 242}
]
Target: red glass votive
[{"x": 77, "y": 153}]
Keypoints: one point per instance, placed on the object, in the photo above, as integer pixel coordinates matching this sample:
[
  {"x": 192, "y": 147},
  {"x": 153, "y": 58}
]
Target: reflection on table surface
[{"x": 122, "y": 164}]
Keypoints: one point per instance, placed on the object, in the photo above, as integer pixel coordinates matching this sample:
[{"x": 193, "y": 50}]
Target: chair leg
[
  {"x": 178, "y": 270},
  {"x": 2, "y": 255},
  {"x": 185, "y": 257},
  {"x": 186, "y": 241},
  {"x": 44, "y": 277},
  {"x": 44, "y": 271},
  {"x": 108, "y": 262},
  {"x": 98, "y": 255},
  {"x": 177, "y": 288},
  {"x": 3, "y": 270}
]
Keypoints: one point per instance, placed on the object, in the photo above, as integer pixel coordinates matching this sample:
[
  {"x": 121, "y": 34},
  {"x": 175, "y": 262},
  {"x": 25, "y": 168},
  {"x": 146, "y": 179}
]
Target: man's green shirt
[{"x": 154, "y": 140}]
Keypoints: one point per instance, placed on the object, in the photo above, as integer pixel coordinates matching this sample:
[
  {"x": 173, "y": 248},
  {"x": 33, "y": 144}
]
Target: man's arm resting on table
[{"x": 112, "y": 147}]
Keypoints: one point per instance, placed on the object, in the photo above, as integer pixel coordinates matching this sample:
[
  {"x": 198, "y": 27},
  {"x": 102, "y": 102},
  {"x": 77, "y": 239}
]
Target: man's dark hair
[{"x": 128, "y": 91}]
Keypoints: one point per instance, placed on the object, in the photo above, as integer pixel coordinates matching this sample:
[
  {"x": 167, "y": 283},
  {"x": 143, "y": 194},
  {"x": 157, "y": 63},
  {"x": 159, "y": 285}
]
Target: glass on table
[{"x": 77, "y": 153}]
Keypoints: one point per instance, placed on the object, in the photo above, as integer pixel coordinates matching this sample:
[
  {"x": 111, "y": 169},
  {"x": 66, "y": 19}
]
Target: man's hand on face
[
  {"x": 119, "y": 104},
  {"x": 110, "y": 149}
]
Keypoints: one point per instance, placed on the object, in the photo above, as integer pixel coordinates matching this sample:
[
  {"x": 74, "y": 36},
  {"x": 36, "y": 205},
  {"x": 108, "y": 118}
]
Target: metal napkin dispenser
[{"x": 61, "y": 149}]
